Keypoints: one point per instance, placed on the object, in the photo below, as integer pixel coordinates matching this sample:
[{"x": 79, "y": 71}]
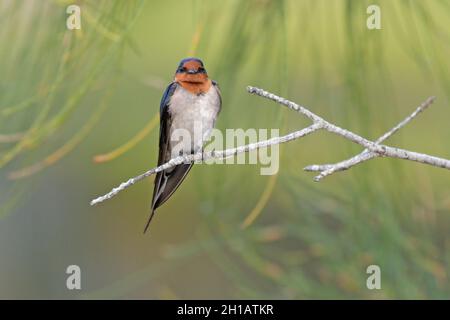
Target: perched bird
[{"x": 190, "y": 103}]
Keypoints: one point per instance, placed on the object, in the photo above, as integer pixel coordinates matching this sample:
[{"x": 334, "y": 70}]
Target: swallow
[{"x": 190, "y": 103}]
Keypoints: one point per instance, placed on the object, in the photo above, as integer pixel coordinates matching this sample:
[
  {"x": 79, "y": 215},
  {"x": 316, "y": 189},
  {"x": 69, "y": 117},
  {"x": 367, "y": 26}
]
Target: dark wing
[{"x": 167, "y": 181}]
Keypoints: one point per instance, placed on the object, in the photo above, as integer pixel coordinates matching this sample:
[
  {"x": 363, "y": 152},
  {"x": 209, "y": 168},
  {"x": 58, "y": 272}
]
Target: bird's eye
[
  {"x": 182, "y": 69},
  {"x": 201, "y": 70}
]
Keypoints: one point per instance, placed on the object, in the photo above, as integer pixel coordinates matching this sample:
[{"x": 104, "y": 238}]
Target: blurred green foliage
[{"x": 67, "y": 96}]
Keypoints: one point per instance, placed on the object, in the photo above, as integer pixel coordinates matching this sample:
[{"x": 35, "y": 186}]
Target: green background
[{"x": 68, "y": 96}]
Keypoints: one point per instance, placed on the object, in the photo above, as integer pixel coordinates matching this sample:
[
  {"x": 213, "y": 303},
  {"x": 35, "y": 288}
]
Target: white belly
[{"x": 193, "y": 117}]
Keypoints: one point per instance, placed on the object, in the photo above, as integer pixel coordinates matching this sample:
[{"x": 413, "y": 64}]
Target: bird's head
[{"x": 191, "y": 70}]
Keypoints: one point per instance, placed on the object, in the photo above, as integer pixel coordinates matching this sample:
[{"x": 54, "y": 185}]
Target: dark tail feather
[
  {"x": 165, "y": 185},
  {"x": 170, "y": 181},
  {"x": 149, "y": 220}
]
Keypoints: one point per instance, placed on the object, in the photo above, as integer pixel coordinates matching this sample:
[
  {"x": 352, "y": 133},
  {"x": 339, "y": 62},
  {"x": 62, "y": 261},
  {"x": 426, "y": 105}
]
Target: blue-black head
[{"x": 191, "y": 66}]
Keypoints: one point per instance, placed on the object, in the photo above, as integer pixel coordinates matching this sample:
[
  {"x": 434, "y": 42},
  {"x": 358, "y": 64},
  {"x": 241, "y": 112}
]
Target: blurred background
[{"x": 79, "y": 114}]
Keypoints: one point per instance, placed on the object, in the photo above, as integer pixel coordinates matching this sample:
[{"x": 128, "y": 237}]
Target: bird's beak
[{"x": 192, "y": 71}]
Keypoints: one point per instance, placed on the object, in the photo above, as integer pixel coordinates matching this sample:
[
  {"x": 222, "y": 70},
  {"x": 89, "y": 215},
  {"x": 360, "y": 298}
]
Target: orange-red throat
[{"x": 192, "y": 76}]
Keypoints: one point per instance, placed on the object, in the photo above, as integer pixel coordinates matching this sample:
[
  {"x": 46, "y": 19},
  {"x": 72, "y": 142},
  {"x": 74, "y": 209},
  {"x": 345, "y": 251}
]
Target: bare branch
[
  {"x": 328, "y": 169},
  {"x": 372, "y": 149},
  {"x": 202, "y": 156},
  {"x": 379, "y": 150}
]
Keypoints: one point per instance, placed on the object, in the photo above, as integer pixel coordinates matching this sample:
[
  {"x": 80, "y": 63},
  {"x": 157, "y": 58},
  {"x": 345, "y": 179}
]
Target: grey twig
[
  {"x": 372, "y": 149},
  {"x": 328, "y": 169},
  {"x": 199, "y": 157}
]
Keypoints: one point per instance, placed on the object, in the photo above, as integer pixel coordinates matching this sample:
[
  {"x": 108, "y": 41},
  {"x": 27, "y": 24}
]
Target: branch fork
[{"x": 372, "y": 149}]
